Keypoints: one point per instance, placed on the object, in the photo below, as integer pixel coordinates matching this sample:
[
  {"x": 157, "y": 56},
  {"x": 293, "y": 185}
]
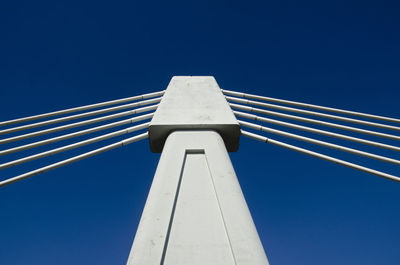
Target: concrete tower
[{"x": 195, "y": 212}]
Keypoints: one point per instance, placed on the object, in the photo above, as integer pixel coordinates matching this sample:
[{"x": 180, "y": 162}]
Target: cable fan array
[
  {"x": 243, "y": 106},
  {"x": 146, "y": 103},
  {"x": 248, "y": 106}
]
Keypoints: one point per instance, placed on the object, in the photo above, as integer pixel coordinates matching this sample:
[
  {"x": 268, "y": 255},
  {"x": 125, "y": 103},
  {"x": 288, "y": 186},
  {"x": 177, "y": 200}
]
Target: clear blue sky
[{"x": 60, "y": 54}]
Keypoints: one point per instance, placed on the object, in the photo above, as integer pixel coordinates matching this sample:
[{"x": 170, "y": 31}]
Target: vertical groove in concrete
[{"x": 198, "y": 234}]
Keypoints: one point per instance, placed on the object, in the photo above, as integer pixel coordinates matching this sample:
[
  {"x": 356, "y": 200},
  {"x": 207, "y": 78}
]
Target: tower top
[{"x": 193, "y": 103}]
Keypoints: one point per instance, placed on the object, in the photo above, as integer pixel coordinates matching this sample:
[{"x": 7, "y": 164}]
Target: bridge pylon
[{"x": 195, "y": 212}]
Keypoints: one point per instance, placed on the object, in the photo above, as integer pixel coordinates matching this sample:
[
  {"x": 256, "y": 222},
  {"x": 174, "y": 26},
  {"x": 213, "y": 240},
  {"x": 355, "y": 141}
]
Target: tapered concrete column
[{"x": 195, "y": 212}]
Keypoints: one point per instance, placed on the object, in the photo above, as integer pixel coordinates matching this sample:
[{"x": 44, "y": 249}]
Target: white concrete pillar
[{"x": 195, "y": 212}]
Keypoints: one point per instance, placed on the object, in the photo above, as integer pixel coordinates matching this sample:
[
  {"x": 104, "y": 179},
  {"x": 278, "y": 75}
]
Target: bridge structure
[{"x": 195, "y": 212}]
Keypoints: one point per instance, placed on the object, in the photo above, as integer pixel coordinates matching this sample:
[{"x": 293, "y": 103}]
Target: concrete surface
[
  {"x": 195, "y": 212},
  {"x": 193, "y": 103}
]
